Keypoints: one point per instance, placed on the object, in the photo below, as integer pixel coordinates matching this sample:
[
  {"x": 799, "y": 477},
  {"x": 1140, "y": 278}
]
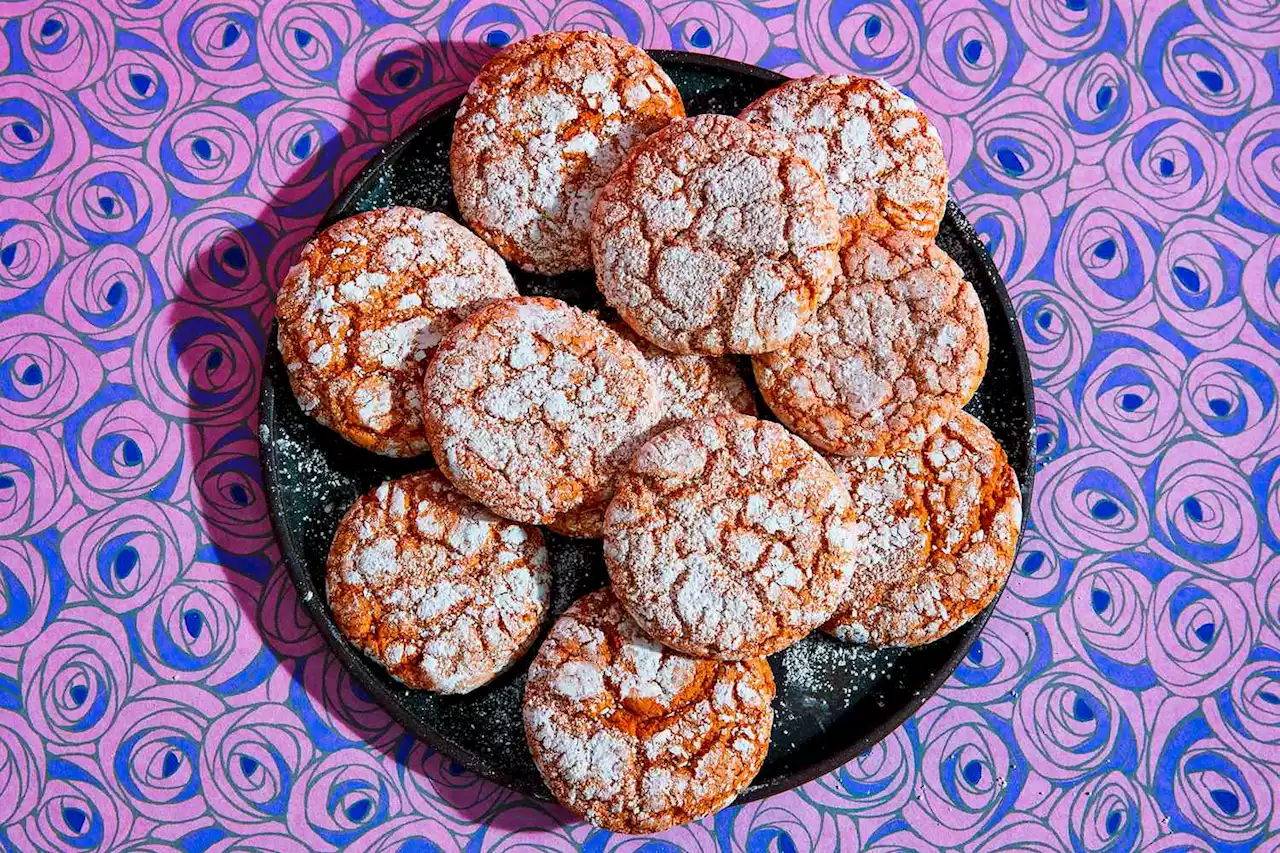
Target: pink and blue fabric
[{"x": 161, "y": 163}]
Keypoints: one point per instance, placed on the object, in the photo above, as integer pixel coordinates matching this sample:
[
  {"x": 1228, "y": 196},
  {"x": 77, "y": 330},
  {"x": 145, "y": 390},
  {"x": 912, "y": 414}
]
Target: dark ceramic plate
[{"x": 834, "y": 701}]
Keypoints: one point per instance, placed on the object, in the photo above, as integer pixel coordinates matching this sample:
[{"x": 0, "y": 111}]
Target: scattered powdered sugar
[
  {"x": 438, "y": 589},
  {"x": 730, "y": 537},
  {"x": 714, "y": 237}
]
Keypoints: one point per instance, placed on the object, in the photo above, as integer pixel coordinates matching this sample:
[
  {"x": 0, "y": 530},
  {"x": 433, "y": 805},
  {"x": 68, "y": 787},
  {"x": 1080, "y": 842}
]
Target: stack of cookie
[{"x": 799, "y": 234}]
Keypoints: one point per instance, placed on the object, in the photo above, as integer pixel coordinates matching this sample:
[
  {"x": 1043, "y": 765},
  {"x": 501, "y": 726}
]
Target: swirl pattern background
[{"x": 162, "y": 162}]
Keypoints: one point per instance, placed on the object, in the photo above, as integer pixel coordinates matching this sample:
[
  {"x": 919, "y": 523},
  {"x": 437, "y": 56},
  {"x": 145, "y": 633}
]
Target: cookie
[
  {"x": 729, "y": 537},
  {"x": 689, "y": 387},
  {"x": 434, "y": 587},
  {"x": 531, "y": 406},
  {"x": 971, "y": 507},
  {"x": 539, "y": 132},
  {"x": 637, "y": 738},
  {"x": 895, "y": 352},
  {"x": 881, "y": 158},
  {"x": 364, "y": 307},
  {"x": 715, "y": 236}
]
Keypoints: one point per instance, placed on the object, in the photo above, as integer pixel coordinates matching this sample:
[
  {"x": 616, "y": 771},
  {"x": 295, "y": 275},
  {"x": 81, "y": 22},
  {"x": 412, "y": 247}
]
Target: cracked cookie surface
[
  {"x": 531, "y": 406},
  {"x": 729, "y": 537},
  {"x": 541, "y": 129},
  {"x": 895, "y": 352},
  {"x": 715, "y": 236},
  {"x": 636, "y": 737},
  {"x": 363, "y": 309},
  {"x": 972, "y": 511},
  {"x": 689, "y": 387},
  {"x": 441, "y": 592},
  {"x": 879, "y": 154}
]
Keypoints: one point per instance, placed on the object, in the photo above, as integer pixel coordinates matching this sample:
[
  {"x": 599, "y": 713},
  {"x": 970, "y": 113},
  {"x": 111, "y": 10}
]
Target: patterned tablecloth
[{"x": 161, "y": 163}]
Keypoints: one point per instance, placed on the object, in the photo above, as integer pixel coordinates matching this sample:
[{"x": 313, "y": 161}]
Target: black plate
[{"x": 834, "y": 701}]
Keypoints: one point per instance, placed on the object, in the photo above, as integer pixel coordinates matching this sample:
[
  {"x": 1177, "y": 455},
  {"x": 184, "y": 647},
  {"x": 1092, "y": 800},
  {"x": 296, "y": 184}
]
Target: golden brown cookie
[
  {"x": 689, "y": 387},
  {"x": 434, "y": 587},
  {"x": 541, "y": 129},
  {"x": 972, "y": 510},
  {"x": 895, "y": 352},
  {"x": 363, "y": 309},
  {"x": 729, "y": 537},
  {"x": 531, "y": 406},
  {"x": 715, "y": 237},
  {"x": 881, "y": 157},
  {"x": 635, "y": 737}
]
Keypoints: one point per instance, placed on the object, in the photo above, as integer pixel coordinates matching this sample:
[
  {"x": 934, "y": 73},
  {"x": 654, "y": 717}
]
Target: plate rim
[{"x": 315, "y": 599}]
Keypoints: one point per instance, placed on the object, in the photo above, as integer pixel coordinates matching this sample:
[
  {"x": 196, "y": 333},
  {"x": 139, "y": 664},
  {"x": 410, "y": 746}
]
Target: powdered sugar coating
[
  {"x": 729, "y": 537},
  {"x": 881, "y": 157},
  {"x": 973, "y": 508},
  {"x": 895, "y": 352},
  {"x": 541, "y": 129},
  {"x": 689, "y": 387},
  {"x": 532, "y": 405},
  {"x": 633, "y": 736},
  {"x": 362, "y": 311},
  {"x": 434, "y": 587},
  {"x": 715, "y": 237}
]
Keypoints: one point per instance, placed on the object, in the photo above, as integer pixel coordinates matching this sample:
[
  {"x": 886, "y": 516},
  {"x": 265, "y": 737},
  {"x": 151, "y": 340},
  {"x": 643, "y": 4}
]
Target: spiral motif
[
  {"x": 1105, "y": 253},
  {"x": 1097, "y": 95},
  {"x": 1261, "y": 286},
  {"x": 1208, "y": 791},
  {"x": 1230, "y": 397},
  {"x": 1244, "y": 22},
  {"x": 1109, "y": 815},
  {"x": 970, "y": 55},
  {"x": 30, "y": 249},
  {"x": 66, "y": 44},
  {"x": 725, "y": 28},
  {"x": 339, "y": 798},
  {"x": 41, "y": 138},
  {"x": 35, "y": 491},
  {"x": 286, "y": 627},
  {"x": 229, "y": 482},
  {"x": 304, "y": 43},
  {"x": 345, "y": 708},
  {"x": 76, "y": 811},
  {"x": 205, "y": 150},
  {"x": 123, "y": 557},
  {"x": 154, "y": 749},
  {"x": 693, "y": 836},
  {"x": 25, "y": 596},
  {"x": 1173, "y": 164},
  {"x": 1092, "y": 500},
  {"x": 302, "y": 141},
  {"x": 1020, "y": 834},
  {"x": 1126, "y": 394},
  {"x": 430, "y": 781},
  {"x": 1267, "y": 593},
  {"x": 390, "y": 71},
  {"x": 114, "y": 199},
  {"x": 1039, "y": 578},
  {"x": 638, "y": 23},
  {"x": 45, "y": 372},
  {"x": 1058, "y": 32},
  {"x": 193, "y": 631},
  {"x": 258, "y": 843},
  {"x": 190, "y": 362},
  {"x": 1005, "y": 655},
  {"x": 1189, "y": 66},
  {"x": 768, "y": 825},
  {"x": 525, "y": 824},
  {"x": 250, "y": 759},
  {"x": 1057, "y": 331},
  {"x": 215, "y": 255},
  {"x": 1109, "y": 607},
  {"x": 75, "y": 676},
  {"x": 877, "y": 783},
  {"x": 103, "y": 295},
  {"x": 1254, "y": 180},
  {"x": 881, "y": 39},
  {"x": 1073, "y": 726},
  {"x": 970, "y": 773},
  {"x": 137, "y": 10},
  {"x": 22, "y": 768},
  {"x": 217, "y": 40},
  {"x": 1019, "y": 145},
  {"x": 471, "y": 31},
  {"x": 410, "y": 833},
  {"x": 1057, "y": 430},
  {"x": 1247, "y": 713},
  {"x": 1198, "y": 634},
  {"x": 1015, "y": 231},
  {"x": 120, "y": 448},
  {"x": 1198, "y": 281},
  {"x": 141, "y": 86}
]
